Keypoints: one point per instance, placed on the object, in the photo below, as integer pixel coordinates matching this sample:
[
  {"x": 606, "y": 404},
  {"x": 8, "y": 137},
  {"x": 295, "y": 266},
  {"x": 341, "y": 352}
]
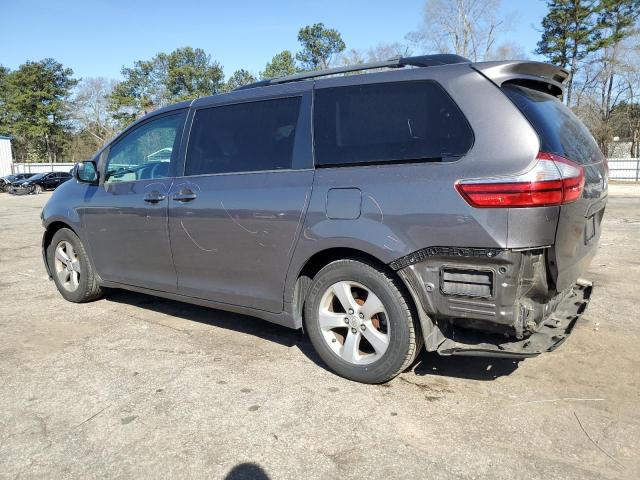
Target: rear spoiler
[{"x": 525, "y": 72}]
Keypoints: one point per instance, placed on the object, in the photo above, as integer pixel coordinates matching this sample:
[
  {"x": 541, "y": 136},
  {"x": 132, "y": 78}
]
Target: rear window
[
  {"x": 388, "y": 122},
  {"x": 245, "y": 137},
  {"x": 559, "y": 130}
]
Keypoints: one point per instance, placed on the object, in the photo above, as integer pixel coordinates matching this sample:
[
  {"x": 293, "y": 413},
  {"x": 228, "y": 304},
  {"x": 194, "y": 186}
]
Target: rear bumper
[
  {"x": 549, "y": 336},
  {"x": 490, "y": 302}
]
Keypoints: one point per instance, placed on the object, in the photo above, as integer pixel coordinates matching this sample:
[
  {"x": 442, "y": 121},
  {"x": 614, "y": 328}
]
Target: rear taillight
[{"x": 553, "y": 180}]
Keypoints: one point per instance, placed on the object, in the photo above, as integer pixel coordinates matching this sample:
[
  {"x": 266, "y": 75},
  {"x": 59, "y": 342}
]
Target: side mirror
[{"x": 87, "y": 172}]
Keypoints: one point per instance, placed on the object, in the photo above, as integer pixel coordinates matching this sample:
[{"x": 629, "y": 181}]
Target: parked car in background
[
  {"x": 5, "y": 182},
  {"x": 40, "y": 182},
  {"x": 449, "y": 204}
]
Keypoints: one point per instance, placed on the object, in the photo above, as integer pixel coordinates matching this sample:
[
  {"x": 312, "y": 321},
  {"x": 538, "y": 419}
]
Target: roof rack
[{"x": 397, "y": 62}]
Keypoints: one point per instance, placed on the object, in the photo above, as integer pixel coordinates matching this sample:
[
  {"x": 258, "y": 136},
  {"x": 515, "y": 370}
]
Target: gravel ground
[
  {"x": 624, "y": 189},
  {"x": 136, "y": 386}
]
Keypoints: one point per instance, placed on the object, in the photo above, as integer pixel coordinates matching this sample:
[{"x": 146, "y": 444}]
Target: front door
[
  {"x": 51, "y": 181},
  {"x": 125, "y": 217},
  {"x": 235, "y": 216}
]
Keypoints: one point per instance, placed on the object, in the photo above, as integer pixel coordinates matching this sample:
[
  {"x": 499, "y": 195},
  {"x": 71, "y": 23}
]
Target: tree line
[
  {"x": 53, "y": 116},
  {"x": 597, "y": 42}
]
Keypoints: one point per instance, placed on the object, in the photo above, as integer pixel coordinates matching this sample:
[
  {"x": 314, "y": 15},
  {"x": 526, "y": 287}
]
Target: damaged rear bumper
[
  {"x": 549, "y": 336},
  {"x": 494, "y": 303}
]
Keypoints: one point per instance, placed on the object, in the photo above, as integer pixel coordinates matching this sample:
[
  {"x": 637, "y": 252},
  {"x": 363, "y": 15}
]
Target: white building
[{"x": 6, "y": 158}]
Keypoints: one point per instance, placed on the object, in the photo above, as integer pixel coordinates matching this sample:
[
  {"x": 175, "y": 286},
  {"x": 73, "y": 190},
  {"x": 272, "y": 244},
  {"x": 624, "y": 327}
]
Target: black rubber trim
[{"x": 465, "y": 252}]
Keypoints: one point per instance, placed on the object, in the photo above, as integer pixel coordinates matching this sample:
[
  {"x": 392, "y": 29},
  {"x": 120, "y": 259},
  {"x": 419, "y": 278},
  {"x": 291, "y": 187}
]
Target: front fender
[{"x": 60, "y": 211}]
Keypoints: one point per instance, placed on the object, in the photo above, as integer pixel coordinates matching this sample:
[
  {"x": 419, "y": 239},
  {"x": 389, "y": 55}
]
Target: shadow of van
[{"x": 427, "y": 363}]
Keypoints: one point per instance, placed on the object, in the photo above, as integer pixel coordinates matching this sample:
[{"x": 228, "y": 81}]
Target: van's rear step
[{"x": 547, "y": 338}]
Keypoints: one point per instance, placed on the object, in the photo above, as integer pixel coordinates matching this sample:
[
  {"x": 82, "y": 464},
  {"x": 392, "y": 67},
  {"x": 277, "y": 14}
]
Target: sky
[{"x": 96, "y": 38}]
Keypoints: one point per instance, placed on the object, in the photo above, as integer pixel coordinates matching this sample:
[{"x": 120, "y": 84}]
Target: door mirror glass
[{"x": 87, "y": 172}]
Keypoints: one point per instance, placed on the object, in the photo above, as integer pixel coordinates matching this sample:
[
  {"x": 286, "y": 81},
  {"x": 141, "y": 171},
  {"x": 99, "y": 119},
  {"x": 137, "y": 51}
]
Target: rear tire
[
  {"x": 71, "y": 269},
  {"x": 360, "y": 322}
]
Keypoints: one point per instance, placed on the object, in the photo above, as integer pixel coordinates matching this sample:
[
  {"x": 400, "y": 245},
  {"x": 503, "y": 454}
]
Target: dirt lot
[{"x": 135, "y": 386}]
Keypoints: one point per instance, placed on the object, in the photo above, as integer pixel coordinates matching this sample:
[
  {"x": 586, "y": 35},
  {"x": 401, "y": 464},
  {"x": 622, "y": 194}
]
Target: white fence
[
  {"x": 624, "y": 169},
  {"x": 41, "y": 167}
]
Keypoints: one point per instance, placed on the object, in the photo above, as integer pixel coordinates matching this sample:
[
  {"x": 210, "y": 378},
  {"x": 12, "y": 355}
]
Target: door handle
[
  {"x": 154, "y": 197},
  {"x": 185, "y": 195}
]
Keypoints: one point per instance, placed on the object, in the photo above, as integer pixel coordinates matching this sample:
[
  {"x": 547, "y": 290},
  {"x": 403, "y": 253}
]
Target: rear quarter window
[
  {"x": 388, "y": 122},
  {"x": 559, "y": 130}
]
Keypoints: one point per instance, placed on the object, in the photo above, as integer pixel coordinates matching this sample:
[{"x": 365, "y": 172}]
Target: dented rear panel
[{"x": 579, "y": 222}]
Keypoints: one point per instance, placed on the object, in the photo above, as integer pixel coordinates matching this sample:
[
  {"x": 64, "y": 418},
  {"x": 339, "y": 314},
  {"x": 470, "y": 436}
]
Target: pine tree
[
  {"x": 280, "y": 65},
  {"x": 184, "y": 74},
  {"x": 319, "y": 44},
  {"x": 569, "y": 34},
  {"x": 33, "y": 101},
  {"x": 616, "y": 22},
  {"x": 239, "y": 79}
]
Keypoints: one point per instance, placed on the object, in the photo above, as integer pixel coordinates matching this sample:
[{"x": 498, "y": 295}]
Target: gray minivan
[{"x": 429, "y": 203}]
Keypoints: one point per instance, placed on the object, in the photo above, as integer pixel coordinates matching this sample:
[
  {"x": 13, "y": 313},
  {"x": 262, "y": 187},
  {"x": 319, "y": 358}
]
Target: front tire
[
  {"x": 360, "y": 322},
  {"x": 37, "y": 189},
  {"x": 71, "y": 269}
]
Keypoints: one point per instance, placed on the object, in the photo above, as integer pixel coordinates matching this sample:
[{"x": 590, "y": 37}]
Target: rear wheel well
[{"x": 323, "y": 258}]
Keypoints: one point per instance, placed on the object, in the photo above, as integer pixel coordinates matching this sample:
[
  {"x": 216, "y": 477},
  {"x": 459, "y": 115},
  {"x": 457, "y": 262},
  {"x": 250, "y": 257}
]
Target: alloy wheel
[
  {"x": 354, "y": 322},
  {"x": 67, "y": 266}
]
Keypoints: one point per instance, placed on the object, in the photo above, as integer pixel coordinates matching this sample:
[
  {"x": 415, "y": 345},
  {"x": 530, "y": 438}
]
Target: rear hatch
[{"x": 562, "y": 133}]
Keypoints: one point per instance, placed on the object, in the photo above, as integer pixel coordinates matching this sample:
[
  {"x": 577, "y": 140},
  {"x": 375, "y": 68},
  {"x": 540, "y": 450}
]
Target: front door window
[{"x": 146, "y": 152}]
